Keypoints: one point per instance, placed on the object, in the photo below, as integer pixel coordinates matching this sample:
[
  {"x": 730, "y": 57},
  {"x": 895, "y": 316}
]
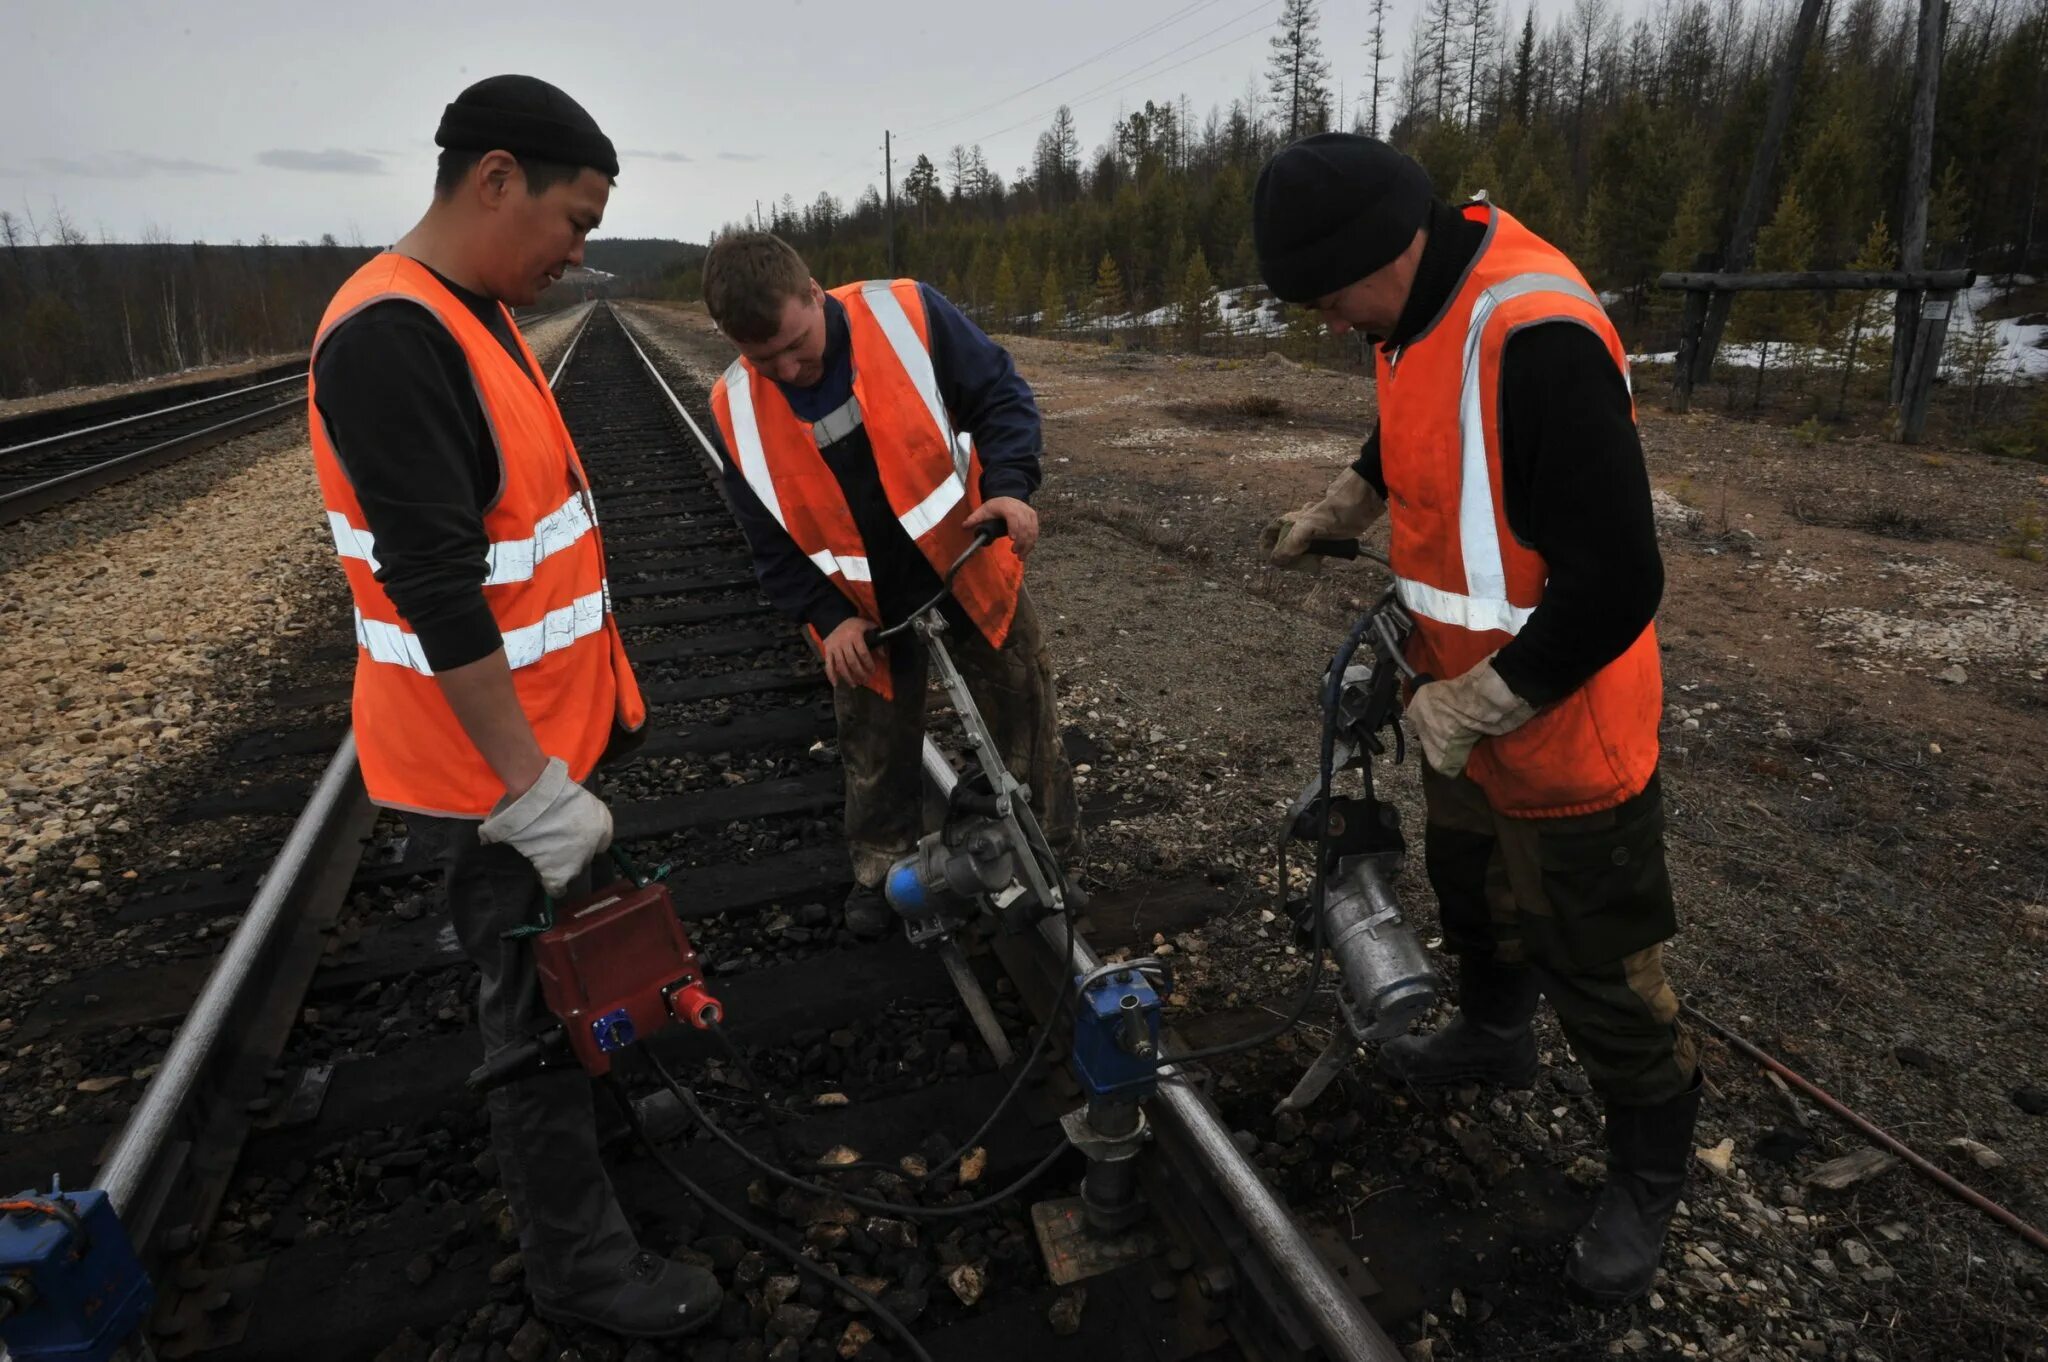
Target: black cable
[
  {"x": 1333, "y": 693},
  {"x": 748, "y": 1227},
  {"x": 1068, "y": 980},
  {"x": 718, "y": 1132}
]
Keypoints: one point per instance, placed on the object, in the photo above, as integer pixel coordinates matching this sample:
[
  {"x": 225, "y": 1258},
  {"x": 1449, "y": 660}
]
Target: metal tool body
[{"x": 1387, "y": 977}]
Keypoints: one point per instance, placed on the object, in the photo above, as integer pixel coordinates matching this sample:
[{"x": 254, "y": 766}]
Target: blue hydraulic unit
[
  {"x": 1116, "y": 1061},
  {"x": 71, "y": 1286}
]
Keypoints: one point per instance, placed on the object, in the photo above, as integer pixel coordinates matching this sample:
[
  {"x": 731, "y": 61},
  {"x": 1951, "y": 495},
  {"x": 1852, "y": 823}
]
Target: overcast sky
[{"x": 226, "y": 119}]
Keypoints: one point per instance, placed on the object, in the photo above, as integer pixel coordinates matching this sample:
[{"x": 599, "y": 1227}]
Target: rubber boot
[
  {"x": 1487, "y": 1040},
  {"x": 650, "y": 1298},
  {"x": 1614, "y": 1258}
]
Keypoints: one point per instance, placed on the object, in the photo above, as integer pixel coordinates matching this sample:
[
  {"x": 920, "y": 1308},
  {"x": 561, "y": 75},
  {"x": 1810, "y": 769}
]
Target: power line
[
  {"x": 1184, "y": 12},
  {"x": 1138, "y": 74}
]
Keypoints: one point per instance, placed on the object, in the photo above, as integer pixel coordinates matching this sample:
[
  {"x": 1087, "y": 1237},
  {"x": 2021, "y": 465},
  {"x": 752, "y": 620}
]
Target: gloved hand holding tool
[
  {"x": 1346, "y": 511},
  {"x": 556, "y": 824},
  {"x": 1450, "y": 717}
]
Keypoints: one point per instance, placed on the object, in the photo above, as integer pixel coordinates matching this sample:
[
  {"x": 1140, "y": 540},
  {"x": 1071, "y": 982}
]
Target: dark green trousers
[
  {"x": 881, "y": 741},
  {"x": 1584, "y": 901}
]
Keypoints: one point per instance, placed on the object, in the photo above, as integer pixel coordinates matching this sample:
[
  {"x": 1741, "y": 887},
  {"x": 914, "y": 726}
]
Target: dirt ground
[{"x": 1855, "y": 636}]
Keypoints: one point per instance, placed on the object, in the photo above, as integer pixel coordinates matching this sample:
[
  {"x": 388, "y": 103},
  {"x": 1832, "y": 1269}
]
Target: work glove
[
  {"x": 1346, "y": 511},
  {"x": 557, "y": 824},
  {"x": 1450, "y": 717}
]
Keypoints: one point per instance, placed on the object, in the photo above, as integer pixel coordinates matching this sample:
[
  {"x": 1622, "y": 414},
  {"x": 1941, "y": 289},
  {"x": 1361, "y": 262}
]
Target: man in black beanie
[
  {"x": 467, "y": 533},
  {"x": 1524, "y": 549}
]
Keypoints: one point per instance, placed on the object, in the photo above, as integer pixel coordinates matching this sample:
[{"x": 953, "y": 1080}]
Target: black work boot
[
  {"x": 1488, "y": 1039},
  {"x": 1614, "y": 1258},
  {"x": 868, "y": 914},
  {"x": 650, "y": 1298}
]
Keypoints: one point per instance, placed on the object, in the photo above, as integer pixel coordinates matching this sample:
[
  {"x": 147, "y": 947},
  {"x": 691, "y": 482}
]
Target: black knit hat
[
  {"x": 1330, "y": 209},
  {"x": 527, "y": 117}
]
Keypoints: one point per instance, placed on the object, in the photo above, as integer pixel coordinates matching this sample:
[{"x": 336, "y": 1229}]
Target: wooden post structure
[
  {"x": 1756, "y": 199},
  {"x": 1941, "y": 285},
  {"x": 1695, "y": 317},
  {"x": 1913, "y": 212}
]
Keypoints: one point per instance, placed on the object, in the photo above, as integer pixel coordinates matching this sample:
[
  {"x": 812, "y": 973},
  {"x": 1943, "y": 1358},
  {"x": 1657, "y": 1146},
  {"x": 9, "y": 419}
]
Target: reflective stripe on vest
[
  {"x": 511, "y": 560},
  {"x": 1484, "y": 606},
  {"x": 524, "y": 646},
  {"x": 916, "y": 361}
]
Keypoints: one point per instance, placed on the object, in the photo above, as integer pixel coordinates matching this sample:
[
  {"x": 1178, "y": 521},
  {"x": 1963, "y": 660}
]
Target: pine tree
[
  {"x": 1868, "y": 308},
  {"x": 1199, "y": 316},
  {"x": 1948, "y": 217},
  {"x": 1377, "y": 11},
  {"x": 1244, "y": 262},
  {"x": 1026, "y": 293},
  {"x": 1297, "y": 72},
  {"x": 921, "y": 187},
  {"x": 981, "y": 277},
  {"x": 1003, "y": 295},
  {"x": 1779, "y": 316},
  {"x": 1052, "y": 300},
  {"x": 1109, "y": 291}
]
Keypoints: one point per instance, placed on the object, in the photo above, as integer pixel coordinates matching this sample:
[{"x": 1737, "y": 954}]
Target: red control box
[{"x": 616, "y": 967}]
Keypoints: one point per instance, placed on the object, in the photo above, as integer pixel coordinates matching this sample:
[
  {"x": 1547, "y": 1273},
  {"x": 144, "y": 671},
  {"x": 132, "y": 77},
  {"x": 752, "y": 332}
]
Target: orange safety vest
[
  {"x": 545, "y": 581},
  {"x": 1460, "y": 572},
  {"x": 931, "y": 474}
]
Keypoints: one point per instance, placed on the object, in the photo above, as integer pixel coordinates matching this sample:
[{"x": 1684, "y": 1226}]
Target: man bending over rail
[
  {"x": 871, "y": 430},
  {"x": 490, "y": 678},
  {"x": 1507, "y": 460}
]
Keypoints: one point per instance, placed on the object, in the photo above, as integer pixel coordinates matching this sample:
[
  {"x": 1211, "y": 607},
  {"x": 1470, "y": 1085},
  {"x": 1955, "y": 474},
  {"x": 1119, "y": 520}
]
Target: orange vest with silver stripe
[
  {"x": 930, "y": 472},
  {"x": 545, "y": 581},
  {"x": 1460, "y": 572}
]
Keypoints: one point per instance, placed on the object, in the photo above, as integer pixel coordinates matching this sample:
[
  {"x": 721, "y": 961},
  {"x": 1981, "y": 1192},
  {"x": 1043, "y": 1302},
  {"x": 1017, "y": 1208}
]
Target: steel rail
[
  {"x": 128, "y": 1174},
  {"x": 154, "y": 414},
  {"x": 41, "y": 496}
]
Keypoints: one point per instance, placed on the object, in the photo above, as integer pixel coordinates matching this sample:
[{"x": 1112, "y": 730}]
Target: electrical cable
[
  {"x": 718, "y": 1132},
  {"x": 747, "y": 1227},
  {"x": 1333, "y": 692},
  {"x": 1063, "y": 1000},
  {"x": 1186, "y": 11},
  {"x": 1133, "y": 76}
]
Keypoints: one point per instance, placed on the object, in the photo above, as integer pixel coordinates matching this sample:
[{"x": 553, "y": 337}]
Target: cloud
[
  {"x": 739, "y": 156},
  {"x": 673, "y": 157},
  {"x": 328, "y": 162},
  {"x": 126, "y": 165}
]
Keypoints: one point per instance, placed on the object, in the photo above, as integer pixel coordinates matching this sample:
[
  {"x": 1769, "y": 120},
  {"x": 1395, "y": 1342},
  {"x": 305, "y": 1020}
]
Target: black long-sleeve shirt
[
  {"x": 395, "y": 391},
  {"x": 1573, "y": 479},
  {"x": 984, "y": 395}
]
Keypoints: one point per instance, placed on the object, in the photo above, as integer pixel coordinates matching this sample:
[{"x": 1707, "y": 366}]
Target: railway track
[
  {"x": 309, "y": 1180},
  {"x": 51, "y": 457}
]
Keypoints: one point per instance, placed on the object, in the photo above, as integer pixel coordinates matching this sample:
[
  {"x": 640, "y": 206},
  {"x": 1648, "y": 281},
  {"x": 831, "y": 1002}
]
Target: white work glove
[
  {"x": 1450, "y": 717},
  {"x": 557, "y": 824},
  {"x": 1346, "y": 511}
]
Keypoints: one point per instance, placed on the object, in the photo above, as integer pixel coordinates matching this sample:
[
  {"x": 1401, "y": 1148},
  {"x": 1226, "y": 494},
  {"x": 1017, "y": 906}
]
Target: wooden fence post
[
  {"x": 1928, "y": 339},
  {"x": 1689, "y": 325}
]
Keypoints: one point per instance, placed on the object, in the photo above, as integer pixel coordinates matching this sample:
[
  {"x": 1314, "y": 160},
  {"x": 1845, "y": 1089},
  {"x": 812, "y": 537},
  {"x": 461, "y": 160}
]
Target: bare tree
[{"x": 1377, "y": 9}]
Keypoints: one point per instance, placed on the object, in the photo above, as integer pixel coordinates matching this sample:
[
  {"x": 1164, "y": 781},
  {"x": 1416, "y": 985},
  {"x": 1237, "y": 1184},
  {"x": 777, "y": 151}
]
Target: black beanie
[
  {"x": 527, "y": 117},
  {"x": 1330, "y": 209}
]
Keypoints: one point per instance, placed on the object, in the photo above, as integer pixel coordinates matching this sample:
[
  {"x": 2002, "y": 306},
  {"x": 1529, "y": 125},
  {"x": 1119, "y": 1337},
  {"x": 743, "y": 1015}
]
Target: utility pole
[
  {"x": 1919, "y": 174},
  {"x": 889, "y": 199},
  {"x": 757, "y": 215}
]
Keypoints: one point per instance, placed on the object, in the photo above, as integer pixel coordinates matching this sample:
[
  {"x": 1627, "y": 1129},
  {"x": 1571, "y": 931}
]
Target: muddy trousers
[
  {"x": 1585, "y": 903},
  {"x": 881, "y": 742},
  {"x": 572, "y": 1233}
]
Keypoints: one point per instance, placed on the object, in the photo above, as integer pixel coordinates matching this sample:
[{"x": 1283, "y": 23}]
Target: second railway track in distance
[{"x": 54, "y": 456}]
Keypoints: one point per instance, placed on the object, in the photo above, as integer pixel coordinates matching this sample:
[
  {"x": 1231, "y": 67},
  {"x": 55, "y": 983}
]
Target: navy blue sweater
[{"x": 985, "y": 396}]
